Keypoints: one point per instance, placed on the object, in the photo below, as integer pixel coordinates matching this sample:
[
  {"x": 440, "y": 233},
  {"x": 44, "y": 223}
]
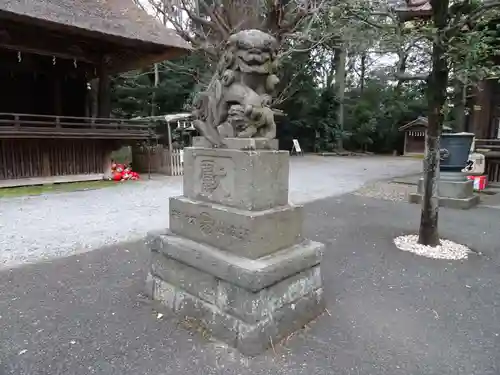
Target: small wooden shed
[{"x": 415, "y": 136}]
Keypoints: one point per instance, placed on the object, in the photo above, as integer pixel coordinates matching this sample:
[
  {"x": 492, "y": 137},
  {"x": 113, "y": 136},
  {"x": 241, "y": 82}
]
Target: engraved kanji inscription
[{"x": 211, "y": 175}]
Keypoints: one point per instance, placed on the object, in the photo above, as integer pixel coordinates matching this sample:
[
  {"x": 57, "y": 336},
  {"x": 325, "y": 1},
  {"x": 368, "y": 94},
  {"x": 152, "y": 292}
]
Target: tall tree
[{"x": 460, "y": 42}]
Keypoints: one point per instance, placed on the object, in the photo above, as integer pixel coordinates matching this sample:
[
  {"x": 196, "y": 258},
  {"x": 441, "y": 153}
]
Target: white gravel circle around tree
[{"x": 447, "y": 250}]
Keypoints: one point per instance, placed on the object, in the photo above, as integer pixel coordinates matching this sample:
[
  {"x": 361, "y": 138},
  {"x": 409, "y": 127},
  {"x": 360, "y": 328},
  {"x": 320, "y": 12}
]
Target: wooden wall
[{"x": 26, "y": 158}]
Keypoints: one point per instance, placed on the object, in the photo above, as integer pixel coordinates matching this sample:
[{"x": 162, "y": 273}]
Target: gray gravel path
[{"x": 49, "y": 226}]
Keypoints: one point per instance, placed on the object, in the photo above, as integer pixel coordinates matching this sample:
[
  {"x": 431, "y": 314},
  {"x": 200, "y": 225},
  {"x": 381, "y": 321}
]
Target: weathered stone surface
[
  {"x": 451, "y": 189},
  {"x": 245, "y": 304},
  {"x": 237, "y": 101},
  {"x": 149, "y": 286},
  {"x": 249, "y": 180},
  {"x": 252, "y": 234},
  {"x": 249, "y": 274},
  {"x": 199, "y": 284},
  {"x": 456, "y": 203},
  {"x": 234, "y": 260},
  {"x": 240, "y": 143},
  {"x": 252, "y": 307},
  {"x": 250, "y": 339},
  {"x": 458, "y": 194},
  {"x": 255, "y": 339}
]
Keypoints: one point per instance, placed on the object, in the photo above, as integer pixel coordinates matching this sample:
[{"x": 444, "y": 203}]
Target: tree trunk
[
  {"x": 363, "y": 73},
  {"x": 436, "y": 92},
  {"x": 340, "y": 74},
  {"x": 155, "y": 89}
]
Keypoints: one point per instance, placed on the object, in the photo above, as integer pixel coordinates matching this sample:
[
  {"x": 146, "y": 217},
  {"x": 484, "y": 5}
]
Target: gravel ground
[
  {"x": 44, "y": 227},
  {"x": 387, "y": 190}
]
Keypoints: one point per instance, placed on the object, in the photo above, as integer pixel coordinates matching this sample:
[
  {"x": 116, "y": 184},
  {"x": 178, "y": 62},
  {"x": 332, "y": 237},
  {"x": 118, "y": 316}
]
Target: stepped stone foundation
[
  {"x": 235, "y": 258},
  {"x": 454, "y": 191}
]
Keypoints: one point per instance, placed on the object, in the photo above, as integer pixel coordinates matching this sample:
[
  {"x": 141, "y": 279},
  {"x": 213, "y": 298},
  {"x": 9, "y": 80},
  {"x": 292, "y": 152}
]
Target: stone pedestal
[
  {"x": 235, "y": 259},
  {"x": 454, "y": 191}
]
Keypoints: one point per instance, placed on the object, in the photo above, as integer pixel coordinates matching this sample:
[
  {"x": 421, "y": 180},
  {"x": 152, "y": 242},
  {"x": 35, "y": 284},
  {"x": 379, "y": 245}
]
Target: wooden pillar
[
  {"x": 46, "y": 170},
  {"x": 103, "y": 91},
  {"x": 481, "y": 110},
  {"x": 406, "y": 142}
]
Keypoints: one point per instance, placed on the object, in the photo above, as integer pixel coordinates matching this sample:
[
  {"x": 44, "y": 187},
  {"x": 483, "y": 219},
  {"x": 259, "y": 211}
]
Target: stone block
[
  {"x": 252, "y": 234},
  {"x": 456, "y": 203},
  {"x": 252, "y": 307},
  {"x": 240, "y": 143},
  {"x": 458, "y": 194},
  {"x": 451, "y": 189},
  {"x": 199, "y": 284},
  {"x": 249, "y": 180},
  {"x": 207, "y": 317},
  {"x": 250, "y": 274},
  {"x": 249, "y": 339},
  {"x": 256, "y": 339}
]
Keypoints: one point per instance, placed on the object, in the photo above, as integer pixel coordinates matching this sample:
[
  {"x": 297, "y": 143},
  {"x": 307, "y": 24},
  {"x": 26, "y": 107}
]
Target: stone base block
[
  {"x": 463, "y": 189},
  {"x": 461, "y": 204},
  {"x": 250, "y": 338},
  {"x": 252, "y": 234},
  {"x": 250, "y": 274},
  {"x": 244, "y": 179},
  {"x": 251, "y": 304},
  {"x": 452, "y": 193}
]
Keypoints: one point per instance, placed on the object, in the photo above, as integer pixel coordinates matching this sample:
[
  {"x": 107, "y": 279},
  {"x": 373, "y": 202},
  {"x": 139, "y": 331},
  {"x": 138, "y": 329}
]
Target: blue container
[{"x": 454, "y": 151}]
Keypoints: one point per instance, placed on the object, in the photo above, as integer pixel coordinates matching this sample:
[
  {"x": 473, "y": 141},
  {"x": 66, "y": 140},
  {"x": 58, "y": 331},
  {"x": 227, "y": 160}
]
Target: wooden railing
[
  {"x": 158, "y": 159},
  {"x": 491, "y": 150},
  {"x": 15, "y": 125},
  {"x": 488, "y": 144}
]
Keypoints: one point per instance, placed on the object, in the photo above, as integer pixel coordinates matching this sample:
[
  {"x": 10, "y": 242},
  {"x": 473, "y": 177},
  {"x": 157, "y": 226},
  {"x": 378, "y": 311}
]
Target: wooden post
[
  {"x": 405, "y": 143},
  {"x": 170, "y": 150},
  {"x": 46, "y": 163}
]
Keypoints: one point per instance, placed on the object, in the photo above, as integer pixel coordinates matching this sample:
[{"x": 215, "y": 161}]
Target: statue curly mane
[{"x": 236, "y": 101}]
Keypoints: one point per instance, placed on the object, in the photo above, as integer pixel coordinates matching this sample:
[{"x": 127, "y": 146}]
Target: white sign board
[{"x": 296, "y": 146}]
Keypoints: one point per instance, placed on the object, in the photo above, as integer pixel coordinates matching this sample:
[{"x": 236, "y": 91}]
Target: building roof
[
  {"x": 419, "y": 122},
  {"x": 116, "y": 18},
  {"x": 411, "y": 9}
]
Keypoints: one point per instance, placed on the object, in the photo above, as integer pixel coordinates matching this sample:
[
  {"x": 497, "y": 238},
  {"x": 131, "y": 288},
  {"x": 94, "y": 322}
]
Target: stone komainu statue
[{"x": 237, "y": 100}]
